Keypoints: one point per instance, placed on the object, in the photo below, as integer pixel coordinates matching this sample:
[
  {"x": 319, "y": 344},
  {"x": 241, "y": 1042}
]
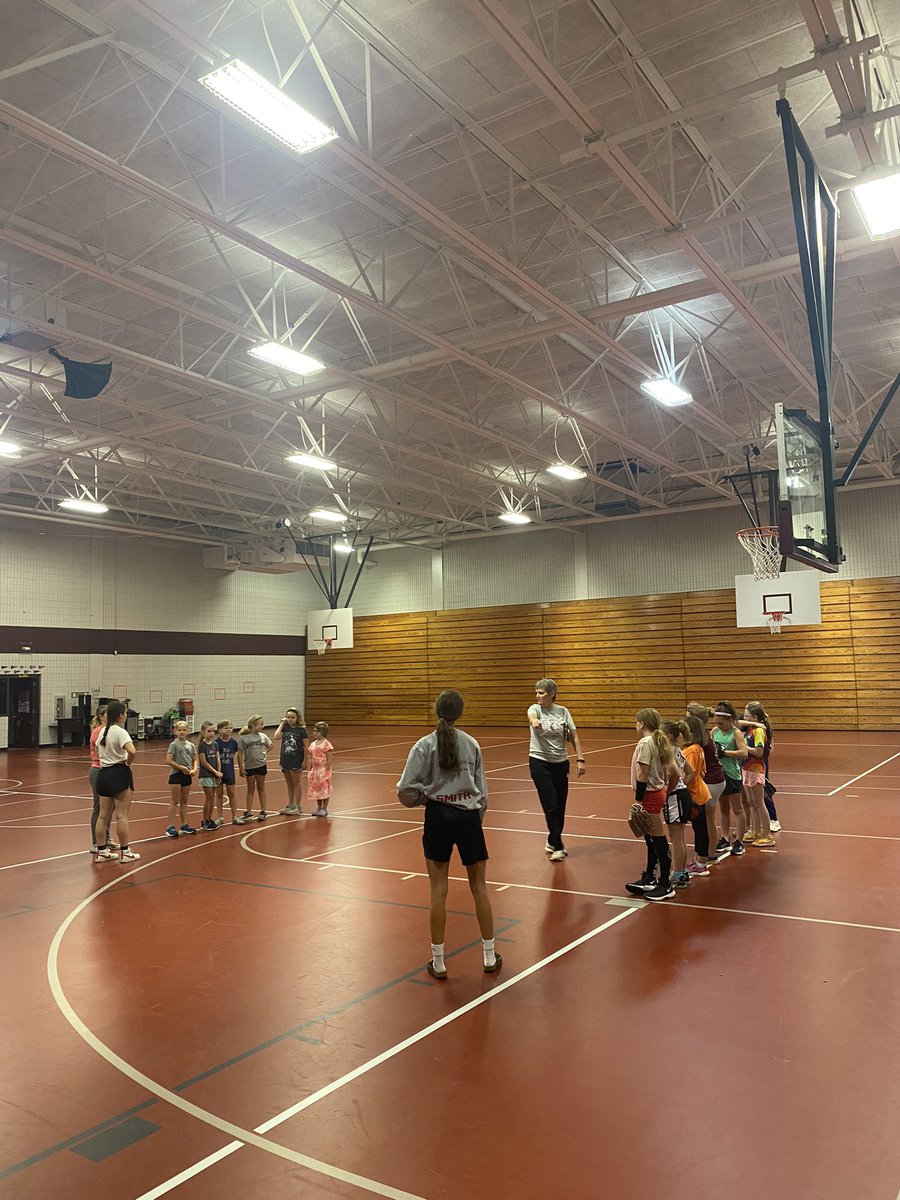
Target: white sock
[
  {"x": 487, "y": 945},
  {"x": 437, "y": 956}
]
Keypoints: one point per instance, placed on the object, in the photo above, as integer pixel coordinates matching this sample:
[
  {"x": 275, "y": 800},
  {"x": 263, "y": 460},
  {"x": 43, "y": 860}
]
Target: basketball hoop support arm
[
  {"x": 867, "y": 436},
  {"x": 815, "y": 224}
]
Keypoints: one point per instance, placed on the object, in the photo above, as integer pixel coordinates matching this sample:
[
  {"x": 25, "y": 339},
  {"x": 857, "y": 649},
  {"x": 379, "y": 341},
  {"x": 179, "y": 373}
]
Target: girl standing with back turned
[{"x": 445, "y": 772}]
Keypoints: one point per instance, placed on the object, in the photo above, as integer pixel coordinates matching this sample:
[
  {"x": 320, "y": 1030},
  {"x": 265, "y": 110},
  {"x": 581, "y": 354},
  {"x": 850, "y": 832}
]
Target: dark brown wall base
[{"x": 49, "y": 640}]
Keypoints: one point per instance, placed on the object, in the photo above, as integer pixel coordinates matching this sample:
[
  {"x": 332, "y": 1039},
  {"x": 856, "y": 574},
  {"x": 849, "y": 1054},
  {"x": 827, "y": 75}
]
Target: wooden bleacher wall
[{"x": 611, "y": 657}]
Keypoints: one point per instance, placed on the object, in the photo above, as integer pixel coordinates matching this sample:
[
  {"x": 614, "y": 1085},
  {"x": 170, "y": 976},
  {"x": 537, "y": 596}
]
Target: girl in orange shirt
[{"x": 704, "y": 823}]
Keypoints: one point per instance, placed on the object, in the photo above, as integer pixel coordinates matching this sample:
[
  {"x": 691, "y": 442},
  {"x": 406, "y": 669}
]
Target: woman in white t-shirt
[
  {"x": 548, "y": 760},
  {"x": 115, "y": 783}
]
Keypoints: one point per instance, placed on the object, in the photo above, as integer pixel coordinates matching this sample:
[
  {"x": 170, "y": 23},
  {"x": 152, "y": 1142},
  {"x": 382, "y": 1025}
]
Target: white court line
[
  {"x": 246, "y": 1136},
  {"x": 365, "y": 1067},
  {"x": 561, "y": 891},
  {"x": 864, "y": 774}
]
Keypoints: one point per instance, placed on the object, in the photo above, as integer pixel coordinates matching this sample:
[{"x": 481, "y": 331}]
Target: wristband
[
  {"x": 639, "y": 790},
  {"x": 579, "y": 760}
]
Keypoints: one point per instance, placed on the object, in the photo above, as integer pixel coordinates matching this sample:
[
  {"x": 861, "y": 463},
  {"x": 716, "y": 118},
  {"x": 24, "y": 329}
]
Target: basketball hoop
[
  {"x": 320, "y": 645},
  {"x": 762, "y": 544},
  {"x": 777, "y": 620}
]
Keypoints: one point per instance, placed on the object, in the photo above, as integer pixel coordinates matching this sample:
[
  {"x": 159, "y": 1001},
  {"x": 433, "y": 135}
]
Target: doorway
[{"x": 24, "y": 711}]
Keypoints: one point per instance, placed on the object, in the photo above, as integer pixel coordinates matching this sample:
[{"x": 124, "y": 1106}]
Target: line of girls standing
[
  {"x": 211, "y": 764},
  {"x": 680, "y": 770}
]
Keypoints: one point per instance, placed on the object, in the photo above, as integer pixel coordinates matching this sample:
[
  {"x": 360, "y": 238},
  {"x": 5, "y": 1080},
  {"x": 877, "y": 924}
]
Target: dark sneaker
[
  {"x": 171, "y": 831},
  {"x": 646, "y": 883},
  {"x": 187, "y": 829},
  {"x": 662, "y": 891},
  {"x": 737, "y": 849},
  {"x": 723, "y": 846},
  {"x": 680, "y": 879}
]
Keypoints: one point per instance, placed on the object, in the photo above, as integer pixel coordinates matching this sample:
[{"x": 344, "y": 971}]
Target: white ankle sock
[
  {"x": 437, "y": 956},
  {"x": 487, "y": 945}
]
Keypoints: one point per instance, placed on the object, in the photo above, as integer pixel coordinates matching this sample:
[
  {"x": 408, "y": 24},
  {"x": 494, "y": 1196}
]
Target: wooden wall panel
[
  {"x": 611, "y": 657},
  {"x": 805, "y": 676},
  {"x": 382, "y": 680},
  {"x": 492, "y": 655},
  {"x": 875, "y": 611}
]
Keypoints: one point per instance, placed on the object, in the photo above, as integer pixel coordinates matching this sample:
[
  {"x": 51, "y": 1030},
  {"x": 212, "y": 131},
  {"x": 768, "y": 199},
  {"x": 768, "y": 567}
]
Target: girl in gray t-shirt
[{"x": 250, "y": 757}]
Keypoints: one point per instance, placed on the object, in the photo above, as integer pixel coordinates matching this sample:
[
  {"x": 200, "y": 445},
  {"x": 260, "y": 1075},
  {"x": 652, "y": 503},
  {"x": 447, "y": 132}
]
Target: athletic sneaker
[
  {"x": 289, "y": 810},
  {"x": 765, "y": 841},
  {"x": 646, "y": 883},
  {"x": 262, "y": 815},
  {"x": 662, "y": 891},
  {"x": 697, "y": 868},
  {"x": 105, "y": 854},
  {"x": 680, "y": 879},
  {"x": 775, "y": 826},
  {"x": 129, "y": 855},
  {"x": 321, "y": 812},
  {"x": 558, "y": 856},
  {"x": 187, "y": 829},
  {"x": 219, "y": 822},
  {"x": 749, "y": 836},
  {"x": 240, "y": 820},
  {"x": 723, "y": 846},
  {"x": 737, "y": 849},
  {"x": 548, "y": 849},
  {"x": 171, "y": 831}
]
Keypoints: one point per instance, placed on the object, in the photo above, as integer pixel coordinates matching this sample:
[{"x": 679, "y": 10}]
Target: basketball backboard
[
  {"x": 331, "y": 625},
  {"x": 795, "y": 594},
  {"x": 807, "y": 511}
]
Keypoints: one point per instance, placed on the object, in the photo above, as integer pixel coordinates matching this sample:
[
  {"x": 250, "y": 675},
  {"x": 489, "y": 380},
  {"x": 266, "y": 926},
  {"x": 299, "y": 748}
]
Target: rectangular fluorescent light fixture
[
  {"x": 327, "y": 514},
  {"x": 83, "y": 506},
  {"x": 315, "y": 461},
  {"x": 515, "y": 518},
  {"x": 286, "y": 359},
  {"x": 9, "y": 449},
  {"x": 343, "y": 547},
  {"x": 879, "y": 205},
  {"x": 564, "y": 471},
  {"x": 268, "y": 107},
  {"x": 666, "y": 392}
]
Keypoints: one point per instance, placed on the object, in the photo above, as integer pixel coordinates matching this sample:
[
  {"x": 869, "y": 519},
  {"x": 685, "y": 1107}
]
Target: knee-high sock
[{"x": 661, "y": 845}]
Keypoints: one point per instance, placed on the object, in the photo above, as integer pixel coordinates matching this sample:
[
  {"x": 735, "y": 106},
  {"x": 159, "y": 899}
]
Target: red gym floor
[{"x": 246, "y": 1013}]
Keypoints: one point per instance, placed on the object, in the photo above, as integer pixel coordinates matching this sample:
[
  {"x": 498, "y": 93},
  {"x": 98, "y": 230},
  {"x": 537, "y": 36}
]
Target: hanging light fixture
[
  {"x": 267, "y": 106},
  {"x": 286, "y": 359}
]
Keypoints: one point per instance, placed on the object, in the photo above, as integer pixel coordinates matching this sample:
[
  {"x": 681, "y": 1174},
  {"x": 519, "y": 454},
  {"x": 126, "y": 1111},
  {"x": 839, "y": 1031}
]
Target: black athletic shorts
[
  {"x": 446, "y": 826},
  {"x": 112, "y": 781},
  {"x": 179, "y": 779},
  {"x": 256, "y": 771},
  {"x": 732, "y": 787}
]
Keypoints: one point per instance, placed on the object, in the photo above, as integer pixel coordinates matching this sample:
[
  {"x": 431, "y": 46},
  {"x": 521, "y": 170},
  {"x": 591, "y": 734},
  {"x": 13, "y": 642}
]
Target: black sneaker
[
  {"x": 646, "y": 883},
  {"x": 662, "y": 891},
  {"x": 723, "y": 846},
  {"x": 737, "y": 848}
]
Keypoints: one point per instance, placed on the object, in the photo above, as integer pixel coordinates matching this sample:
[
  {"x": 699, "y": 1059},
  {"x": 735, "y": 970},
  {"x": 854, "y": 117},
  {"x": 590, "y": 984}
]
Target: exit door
[{"x": 24, "y": 711}]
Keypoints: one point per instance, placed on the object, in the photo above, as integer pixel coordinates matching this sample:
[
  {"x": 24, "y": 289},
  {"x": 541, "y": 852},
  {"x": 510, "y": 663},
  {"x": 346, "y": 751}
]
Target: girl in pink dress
[{"x": 318, "y": 777}]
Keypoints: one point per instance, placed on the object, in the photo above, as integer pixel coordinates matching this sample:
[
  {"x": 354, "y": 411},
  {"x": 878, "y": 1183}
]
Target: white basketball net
[
  {"x": 777, "y": 621},
  {"x": 321, "y": 645},
  {"x": 763, "y": 547}
]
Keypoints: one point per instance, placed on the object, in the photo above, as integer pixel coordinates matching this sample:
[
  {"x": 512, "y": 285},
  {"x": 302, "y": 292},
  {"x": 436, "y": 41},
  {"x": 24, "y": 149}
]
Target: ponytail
[
  {"x": 651, "y": 721},
  {"x": 448, "y": 708},
  {"x": 250, "y": 721}
]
